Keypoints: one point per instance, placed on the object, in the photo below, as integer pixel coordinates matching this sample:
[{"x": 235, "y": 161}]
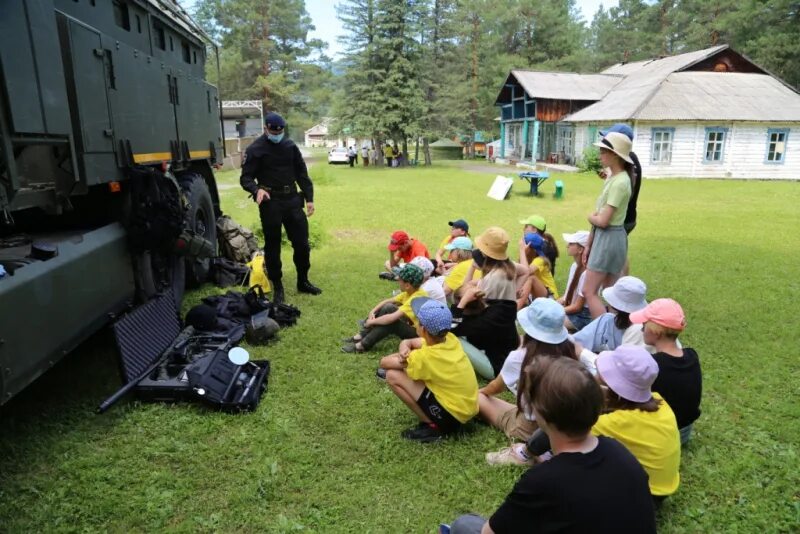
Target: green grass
[{"x": 323, "y": 453}]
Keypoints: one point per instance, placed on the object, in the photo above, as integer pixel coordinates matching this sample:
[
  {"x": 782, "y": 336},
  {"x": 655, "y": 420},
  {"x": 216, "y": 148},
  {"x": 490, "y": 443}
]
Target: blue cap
[
  {"x": 535, "y": 241},
  {"x": 434, "y": 316},
  {"x": 274, "y": 121},
  {"x": 460, "y": 223},
  {"x": 461, "y": 243},
  {"x": 620, "y": 127},
  {"x": 543, "y": 321}
]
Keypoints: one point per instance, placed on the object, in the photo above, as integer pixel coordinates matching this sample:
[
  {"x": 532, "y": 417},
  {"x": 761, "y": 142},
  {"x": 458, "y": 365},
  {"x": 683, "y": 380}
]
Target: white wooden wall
[{"x": 745, "y": 150}]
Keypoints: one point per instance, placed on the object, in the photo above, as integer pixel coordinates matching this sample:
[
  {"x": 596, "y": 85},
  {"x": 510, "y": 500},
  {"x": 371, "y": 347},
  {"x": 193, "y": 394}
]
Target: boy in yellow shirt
[
  {"x": 432, "y": 375},
  {"x": 391, "y": 316}
]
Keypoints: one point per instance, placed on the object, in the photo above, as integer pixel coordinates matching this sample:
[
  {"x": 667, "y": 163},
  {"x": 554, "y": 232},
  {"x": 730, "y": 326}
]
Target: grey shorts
[{"x": 609, "y": 250}]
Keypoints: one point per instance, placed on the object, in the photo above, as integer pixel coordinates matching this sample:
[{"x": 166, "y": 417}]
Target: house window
[
  {"x": 776, "y": 145},
  {"x": 564, "y": 140},
  {"x": 661, "y": 150},
  {"x": 715, "y": 145},
  {"x": 505, "y": 112}
]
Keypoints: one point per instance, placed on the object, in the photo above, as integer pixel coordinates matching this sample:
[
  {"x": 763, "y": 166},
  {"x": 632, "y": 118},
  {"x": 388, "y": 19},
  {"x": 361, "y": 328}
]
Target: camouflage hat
[{"x": 411, "y": 274}]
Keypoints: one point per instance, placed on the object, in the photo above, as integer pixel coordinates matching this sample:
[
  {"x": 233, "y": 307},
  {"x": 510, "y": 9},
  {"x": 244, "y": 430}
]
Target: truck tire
[
  {"x": 200, "y": 218},
  {"x": 155, "y": 273}
]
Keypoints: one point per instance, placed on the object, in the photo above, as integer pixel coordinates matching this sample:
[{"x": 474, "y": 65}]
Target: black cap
[
  {"x": 459, "y": 223},
  {"x": 273, "y": 121}
]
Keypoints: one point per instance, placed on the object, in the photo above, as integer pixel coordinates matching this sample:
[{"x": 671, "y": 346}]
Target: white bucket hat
[
  {"x": 617, "y": 143},
  {"x": 627, "y": 295}
]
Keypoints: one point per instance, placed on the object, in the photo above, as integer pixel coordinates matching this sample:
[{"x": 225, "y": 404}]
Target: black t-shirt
[
  {"x": 494, "y": 330},
  {"x": 602, "y": 491},
  {"x": 680, "y": 382}
]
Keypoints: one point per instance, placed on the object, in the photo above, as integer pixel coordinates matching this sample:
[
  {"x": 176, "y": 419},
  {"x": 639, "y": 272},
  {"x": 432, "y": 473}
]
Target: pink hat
[
  {"x": 664, "y": 312},
  {"x": 629, "y": 371}
]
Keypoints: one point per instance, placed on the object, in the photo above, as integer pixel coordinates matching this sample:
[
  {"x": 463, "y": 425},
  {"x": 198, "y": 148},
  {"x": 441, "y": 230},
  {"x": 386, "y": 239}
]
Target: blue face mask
[{"x": 275, "y": 138}]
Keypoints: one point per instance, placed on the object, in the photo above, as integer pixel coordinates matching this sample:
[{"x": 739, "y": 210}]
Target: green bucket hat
[{"x": 411, "y": 274}]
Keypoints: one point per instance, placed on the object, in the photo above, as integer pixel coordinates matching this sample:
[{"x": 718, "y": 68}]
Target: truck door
[{"x": 89, "y": 77}]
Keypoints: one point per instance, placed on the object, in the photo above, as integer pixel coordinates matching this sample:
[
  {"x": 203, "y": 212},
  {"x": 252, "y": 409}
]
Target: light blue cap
[{"x": 461, "y": 243}]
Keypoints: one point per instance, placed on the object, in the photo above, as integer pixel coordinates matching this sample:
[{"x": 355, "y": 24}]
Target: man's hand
[
  {"x": 261, "y": 196},
  {"x": 309, "y": 209}
]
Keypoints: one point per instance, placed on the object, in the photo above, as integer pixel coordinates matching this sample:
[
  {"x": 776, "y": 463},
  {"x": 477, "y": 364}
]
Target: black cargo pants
[{"x": 286, "y": 211}]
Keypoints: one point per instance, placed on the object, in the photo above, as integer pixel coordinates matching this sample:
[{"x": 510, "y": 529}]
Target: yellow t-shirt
[
  {"x": 404, "y": 300},
  {"x": 455, "y": 279},
  {"x": 652, "y": 437},
  {"x": 544, "y": 275},
  {"x": 446, "y": 241},
  {"x": 446, "y": 371}
]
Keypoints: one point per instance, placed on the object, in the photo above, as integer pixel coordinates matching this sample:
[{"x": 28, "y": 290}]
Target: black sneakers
[
  {"x": 387, "y": 276},
  {"x": 423, "y": 433},
  {"x": 304, "y": 286}
]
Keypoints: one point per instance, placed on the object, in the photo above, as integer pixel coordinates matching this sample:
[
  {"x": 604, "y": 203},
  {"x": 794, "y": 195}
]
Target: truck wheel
[
  {"x": 154, "y": 273},
  {"x": 201, "y": 220}
]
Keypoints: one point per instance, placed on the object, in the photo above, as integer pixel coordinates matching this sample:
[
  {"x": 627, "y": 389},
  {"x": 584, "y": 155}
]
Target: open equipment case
[{"x": 162, "y": 363}]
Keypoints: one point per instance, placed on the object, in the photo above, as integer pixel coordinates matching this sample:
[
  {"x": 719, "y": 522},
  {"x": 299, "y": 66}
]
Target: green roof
[{"x": 444, "y": 142}]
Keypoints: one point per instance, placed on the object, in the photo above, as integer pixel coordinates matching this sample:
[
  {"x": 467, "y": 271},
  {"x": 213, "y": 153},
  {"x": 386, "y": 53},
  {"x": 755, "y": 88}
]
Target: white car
[{"x": 338, "y": 155}]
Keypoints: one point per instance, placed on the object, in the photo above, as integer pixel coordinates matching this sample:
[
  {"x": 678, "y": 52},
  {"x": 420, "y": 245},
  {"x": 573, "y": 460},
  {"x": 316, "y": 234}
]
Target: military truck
[{"x": 108, "y": 136}]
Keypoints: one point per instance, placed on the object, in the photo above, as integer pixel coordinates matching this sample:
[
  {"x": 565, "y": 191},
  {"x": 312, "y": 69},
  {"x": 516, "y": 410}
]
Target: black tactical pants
[{"x": 287, "y": 212}]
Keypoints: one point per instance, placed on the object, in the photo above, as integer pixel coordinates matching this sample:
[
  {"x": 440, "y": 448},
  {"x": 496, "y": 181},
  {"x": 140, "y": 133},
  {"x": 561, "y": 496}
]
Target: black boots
[
  {"x": 304, "y": 286},
  {"x": 277, "y": 293}
]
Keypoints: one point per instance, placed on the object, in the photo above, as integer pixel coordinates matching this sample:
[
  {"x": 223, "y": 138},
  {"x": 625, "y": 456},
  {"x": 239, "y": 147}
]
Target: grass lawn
[{"x": 323, "y": 452}]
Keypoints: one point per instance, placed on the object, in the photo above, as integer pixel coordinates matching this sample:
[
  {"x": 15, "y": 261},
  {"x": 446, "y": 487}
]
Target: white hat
[
  {"x": 580, "y": 237},
  {"x": 627, "y": 295},
  {"x": 543, "y": 320},
  {"x": 423, "y": 263},
  {"x": 617, "y": 143}
]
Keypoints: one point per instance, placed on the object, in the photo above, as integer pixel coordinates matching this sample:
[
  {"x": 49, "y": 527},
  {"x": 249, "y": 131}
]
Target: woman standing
[{"x": 608, "y": 246}]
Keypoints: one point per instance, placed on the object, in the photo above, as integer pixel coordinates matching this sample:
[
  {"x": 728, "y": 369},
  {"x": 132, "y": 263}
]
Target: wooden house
[{"x": 710, "y": 113}]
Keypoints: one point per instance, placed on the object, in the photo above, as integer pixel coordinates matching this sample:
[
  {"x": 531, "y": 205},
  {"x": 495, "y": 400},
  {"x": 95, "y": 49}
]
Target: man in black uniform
[{"x": 272, "y": 169}]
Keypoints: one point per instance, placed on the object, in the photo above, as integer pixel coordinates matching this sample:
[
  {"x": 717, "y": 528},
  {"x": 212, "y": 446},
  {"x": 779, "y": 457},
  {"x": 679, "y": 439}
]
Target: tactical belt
[{"x": 281, "y": 191}]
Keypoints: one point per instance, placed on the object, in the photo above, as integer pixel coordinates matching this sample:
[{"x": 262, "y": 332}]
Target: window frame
[
  {"x": 715, "y": 129},
  {"x": 653, "y": 132},
  {"x": 770, "y": 133}
]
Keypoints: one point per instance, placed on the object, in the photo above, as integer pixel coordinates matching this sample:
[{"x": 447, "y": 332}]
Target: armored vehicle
[{"x": 108, "y": 136}]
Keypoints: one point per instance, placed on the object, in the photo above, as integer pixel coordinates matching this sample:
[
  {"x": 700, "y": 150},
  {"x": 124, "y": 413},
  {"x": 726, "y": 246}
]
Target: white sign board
[{"x": 500, "y": 187}]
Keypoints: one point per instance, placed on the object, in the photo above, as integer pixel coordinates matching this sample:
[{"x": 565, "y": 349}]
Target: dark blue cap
[
  {"x": 620, "y": 127},
  {"x": 274, "y": 121}
]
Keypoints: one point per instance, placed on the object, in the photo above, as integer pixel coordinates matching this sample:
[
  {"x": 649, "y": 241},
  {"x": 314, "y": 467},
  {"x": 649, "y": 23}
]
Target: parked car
[{"x": 338, "y": 155}]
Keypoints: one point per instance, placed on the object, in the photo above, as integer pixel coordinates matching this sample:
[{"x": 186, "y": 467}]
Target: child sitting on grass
[
  {"x": 540, "y": 282},
  {"x": 592, "y": 483},
  {"x": 432, "y": 375},
  {"x": 458, "y": 228},
  {"x": 680, "y": 380},
  {"x": 573, "y": 300},
  {"x": 545, "y": 337},
  {"x": 391, "y": 316}
]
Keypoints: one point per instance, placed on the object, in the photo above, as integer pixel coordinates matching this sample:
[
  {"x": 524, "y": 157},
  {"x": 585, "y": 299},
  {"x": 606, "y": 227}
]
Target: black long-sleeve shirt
[{"x": 275, "y": 165}]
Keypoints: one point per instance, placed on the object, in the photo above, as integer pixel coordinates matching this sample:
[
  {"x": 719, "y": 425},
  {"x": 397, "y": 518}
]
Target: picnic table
[{"x": 535, "y": 178}]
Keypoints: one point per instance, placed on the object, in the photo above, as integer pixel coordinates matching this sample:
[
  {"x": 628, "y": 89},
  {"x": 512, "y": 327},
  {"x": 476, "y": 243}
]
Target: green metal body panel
[
  {"x": 87, "y": 90},
  {"x": 50, "y": 306}
]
